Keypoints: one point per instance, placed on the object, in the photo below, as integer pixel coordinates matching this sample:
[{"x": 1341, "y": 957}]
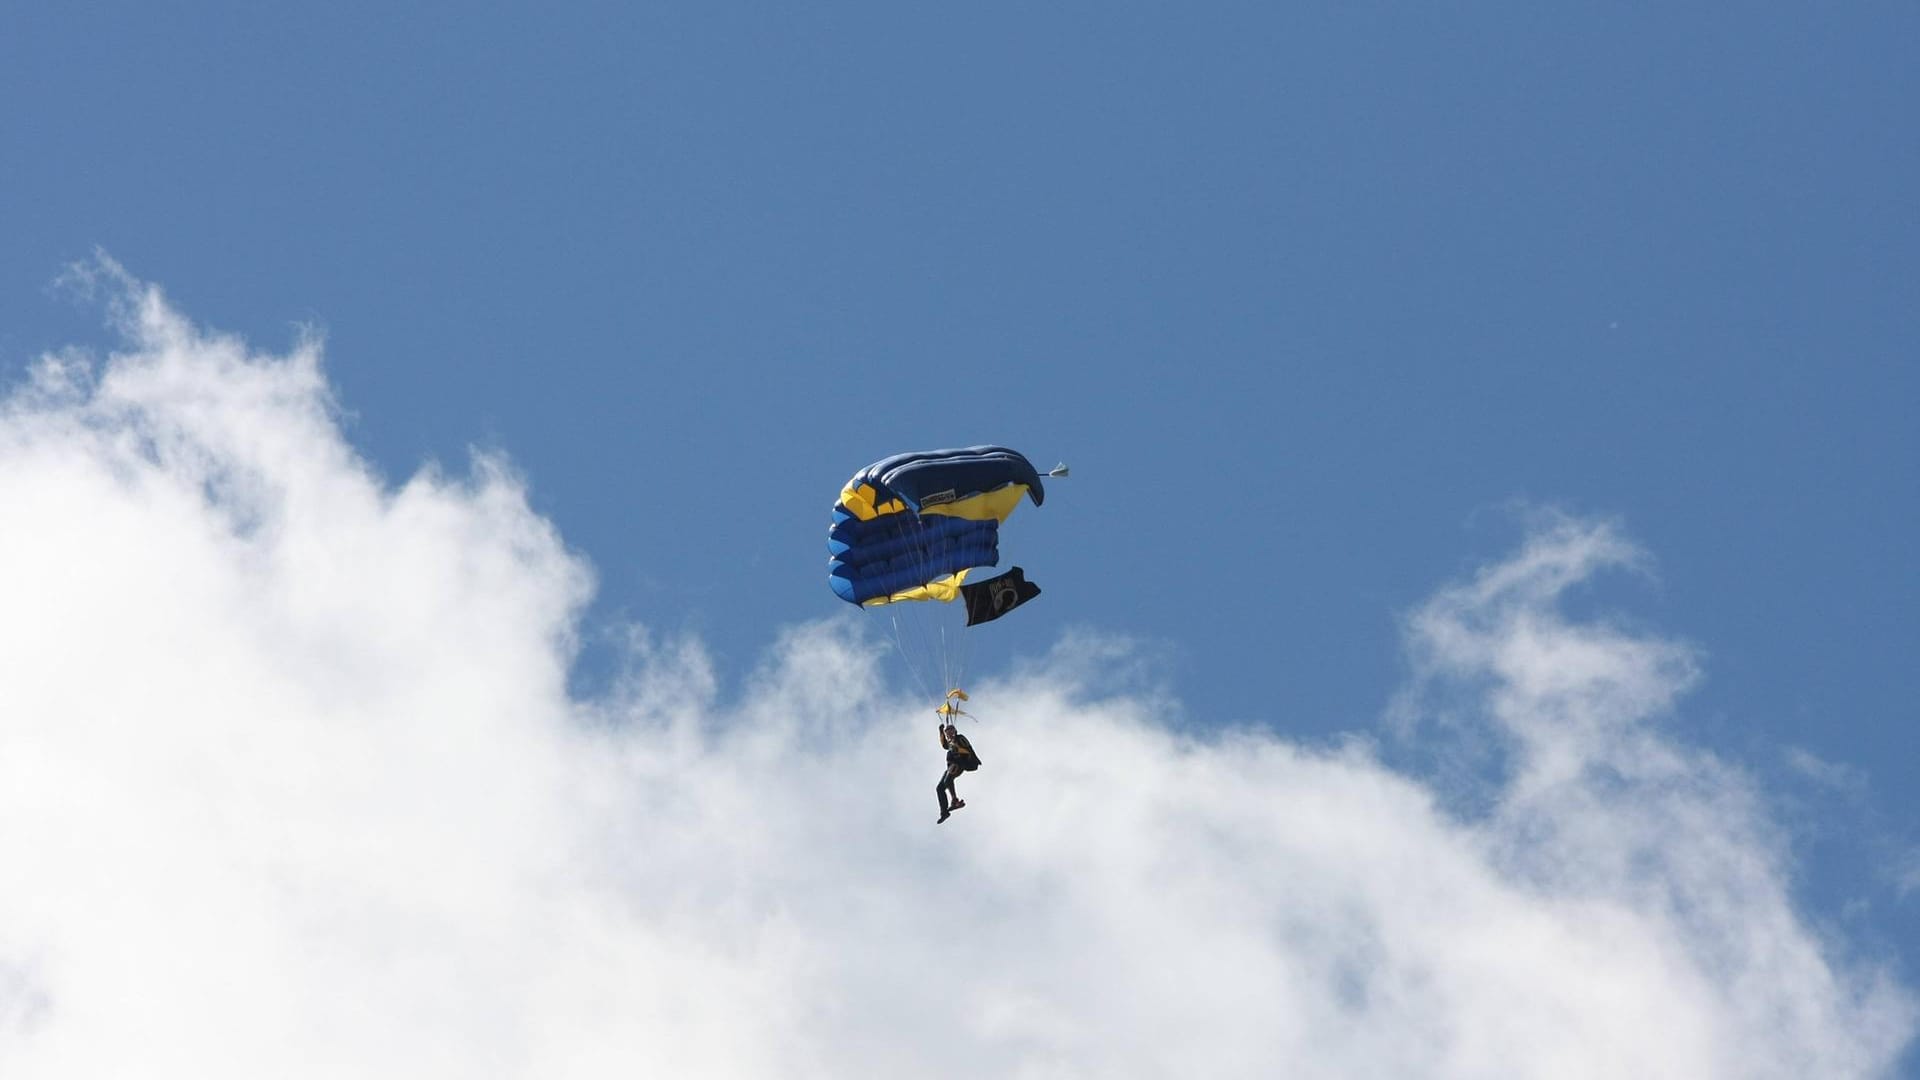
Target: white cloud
[
  {"x": 1833, "y": 776},
  {"x": 290, "y": 785}
]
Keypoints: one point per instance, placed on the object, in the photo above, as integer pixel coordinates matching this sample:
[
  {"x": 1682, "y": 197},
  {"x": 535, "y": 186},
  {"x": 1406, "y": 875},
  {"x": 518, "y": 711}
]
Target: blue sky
[{"x": 1322, "y": 308}]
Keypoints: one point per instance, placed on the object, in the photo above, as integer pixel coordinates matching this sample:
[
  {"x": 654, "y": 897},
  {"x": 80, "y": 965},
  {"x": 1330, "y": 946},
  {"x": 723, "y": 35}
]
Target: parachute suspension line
[
  {"x": 961, "y": 647},
  {"x": 909, "y": 634},
  {"x": 956, "y": 643},
  {"x": 922, "y": 628},
  {"x": 938, "y": 546},
  {"x": 937, "y": 616},
  {"x": 946, "y": 657},
  {"x": 923, "y": 610},
  {"x": 910, "y": 640},
  {"x": 872, "y": 550},
  {"x": 953, "y": 649}
]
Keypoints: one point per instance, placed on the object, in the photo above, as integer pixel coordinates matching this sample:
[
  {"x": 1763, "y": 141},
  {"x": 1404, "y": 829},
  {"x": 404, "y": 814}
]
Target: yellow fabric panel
[
  {"x": 997, "y": 504},
  {"x": 945, "y": 590},
  {"x": 858, "y": 501}
]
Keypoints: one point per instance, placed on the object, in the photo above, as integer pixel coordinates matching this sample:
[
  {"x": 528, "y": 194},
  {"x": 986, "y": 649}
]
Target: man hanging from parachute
[
  {"x": 960, "y": 757},
  {"x": 906, "y": 532}
]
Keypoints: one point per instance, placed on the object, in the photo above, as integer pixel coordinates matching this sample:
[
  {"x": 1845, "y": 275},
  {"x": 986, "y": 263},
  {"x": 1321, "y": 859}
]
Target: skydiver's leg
[{"x": 942, "y": 790}]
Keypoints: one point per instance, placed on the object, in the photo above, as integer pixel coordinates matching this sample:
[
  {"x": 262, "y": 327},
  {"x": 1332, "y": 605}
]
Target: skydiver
[{"x": 960, "y": 758}]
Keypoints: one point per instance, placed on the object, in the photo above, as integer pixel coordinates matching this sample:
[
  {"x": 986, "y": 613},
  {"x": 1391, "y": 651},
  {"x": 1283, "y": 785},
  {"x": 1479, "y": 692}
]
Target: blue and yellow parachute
[{"x": 908, "y": 529}]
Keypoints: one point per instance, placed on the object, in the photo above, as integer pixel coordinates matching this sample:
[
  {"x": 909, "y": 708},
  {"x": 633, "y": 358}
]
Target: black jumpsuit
[{"x": 960, "y": 758}]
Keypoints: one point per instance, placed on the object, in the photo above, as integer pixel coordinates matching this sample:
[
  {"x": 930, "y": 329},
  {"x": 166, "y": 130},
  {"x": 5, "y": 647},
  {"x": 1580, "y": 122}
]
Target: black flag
[{"x": 988, "y": 600}]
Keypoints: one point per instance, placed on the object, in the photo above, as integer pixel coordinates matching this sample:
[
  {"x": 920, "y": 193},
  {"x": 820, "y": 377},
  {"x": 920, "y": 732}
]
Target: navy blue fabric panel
[
  {"x": 902, "y": 560},
  {"x": 926, "y": 563},
  {"x": 965, "y": 471},
  {"x": 864, "y": 542},
  {"x": 922, "y": 563},
  {"x": 869, "y": 585}
]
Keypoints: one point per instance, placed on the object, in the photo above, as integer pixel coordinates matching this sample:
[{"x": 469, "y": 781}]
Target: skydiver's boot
[{"x": 957, "y": 804}]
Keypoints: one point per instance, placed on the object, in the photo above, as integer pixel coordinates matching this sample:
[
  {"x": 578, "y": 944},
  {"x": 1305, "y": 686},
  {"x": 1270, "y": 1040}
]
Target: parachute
[{"x": 908, "y": 530}]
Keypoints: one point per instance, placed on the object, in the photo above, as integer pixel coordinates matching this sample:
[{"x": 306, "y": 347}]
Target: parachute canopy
[{"x": 910, "y": 526}]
